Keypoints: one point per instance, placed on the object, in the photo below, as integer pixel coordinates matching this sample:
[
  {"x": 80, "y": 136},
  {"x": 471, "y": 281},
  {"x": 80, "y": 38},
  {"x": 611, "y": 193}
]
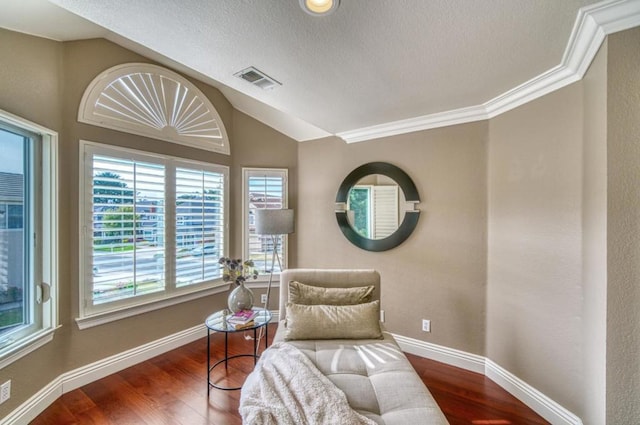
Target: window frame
[
  {"x": 91, "y": 314},
  {"x": 248, "y": 172},
  {"x": 43, "y": 293}
]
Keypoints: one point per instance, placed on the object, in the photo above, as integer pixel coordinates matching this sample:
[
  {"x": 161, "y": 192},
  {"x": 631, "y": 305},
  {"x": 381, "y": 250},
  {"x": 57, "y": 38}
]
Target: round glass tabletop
[{"x": 218, "y": 320}]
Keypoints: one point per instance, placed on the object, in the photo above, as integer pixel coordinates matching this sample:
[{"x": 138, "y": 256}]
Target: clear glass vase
[{"x": 241, "y": 298}]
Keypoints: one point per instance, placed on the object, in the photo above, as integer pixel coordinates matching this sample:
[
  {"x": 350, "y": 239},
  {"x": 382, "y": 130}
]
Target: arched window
[{"x": 152, "y": 101}]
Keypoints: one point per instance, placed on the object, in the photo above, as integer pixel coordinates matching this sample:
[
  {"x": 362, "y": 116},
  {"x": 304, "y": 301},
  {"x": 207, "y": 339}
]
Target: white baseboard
[
  {"x": 84, "y": 375},
  {"x": 105, "y": 367},
  {"x": 442, "y": 354},
  {"x": 541, "y": 404},
  {"x": 534, "y": 399},
  {"x": 31, "y": 408},
  {"x": 92, "y": 372},
  {"x": 538, "y": 402}
]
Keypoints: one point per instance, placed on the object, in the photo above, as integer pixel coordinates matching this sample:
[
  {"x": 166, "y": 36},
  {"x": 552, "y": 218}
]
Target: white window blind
[
  {"x": 385, "y": 211},
  {"x": 128, "y": 228},
  {"x": 156, "y": 102},
  {"x": 199, "y": 225},
  {"x": 263, "y": 188},
  {"x": 154, "y": 227}
]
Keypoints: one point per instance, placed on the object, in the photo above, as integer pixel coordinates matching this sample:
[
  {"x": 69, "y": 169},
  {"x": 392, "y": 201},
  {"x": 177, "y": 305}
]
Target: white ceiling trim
[
  {"x": 426, "y": 122},
  {"x": 592, "y": 25}
]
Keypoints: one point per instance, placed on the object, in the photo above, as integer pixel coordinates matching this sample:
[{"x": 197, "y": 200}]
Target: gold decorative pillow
[
  {"x": 300, "y": 293},
  {"x": 359, "y": 321}
]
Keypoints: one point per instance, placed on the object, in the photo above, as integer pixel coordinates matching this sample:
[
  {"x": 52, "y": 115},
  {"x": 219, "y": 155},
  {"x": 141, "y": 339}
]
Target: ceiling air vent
[{"x": 257, "y": 78}]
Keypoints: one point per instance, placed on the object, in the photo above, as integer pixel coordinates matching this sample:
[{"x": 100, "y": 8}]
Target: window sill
[
  {"x": 26, "y": 346},
  {"x": 111, "y": 316}
]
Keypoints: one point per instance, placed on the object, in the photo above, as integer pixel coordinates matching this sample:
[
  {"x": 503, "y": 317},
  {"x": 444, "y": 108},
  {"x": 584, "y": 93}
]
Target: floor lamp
[{"x": 273, "y": 223}]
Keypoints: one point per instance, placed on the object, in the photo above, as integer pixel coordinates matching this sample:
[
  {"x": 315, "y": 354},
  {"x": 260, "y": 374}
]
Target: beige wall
[
  {"x": 623, "y": 237},
  {"x": 534, "y": 256},
  {"x": 563, "y": 258},
  {"x": 31, "y": 75},
  {"x": 439, "y": 272},
  {"x": 44, "y": 83}
]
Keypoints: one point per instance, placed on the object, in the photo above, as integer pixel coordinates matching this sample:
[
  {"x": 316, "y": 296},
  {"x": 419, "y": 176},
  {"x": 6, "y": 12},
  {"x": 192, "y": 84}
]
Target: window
[
  {"x": 263, "y": 188},
  {"x": 27, "y": 232},
  {"x": 360, "y": 206},
  {"x": 153, "y": 227}
]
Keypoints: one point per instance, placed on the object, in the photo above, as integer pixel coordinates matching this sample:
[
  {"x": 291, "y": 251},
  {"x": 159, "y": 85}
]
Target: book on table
[
  {"x": 241, "y": 326},
  {"x": 242, "y": 317}
]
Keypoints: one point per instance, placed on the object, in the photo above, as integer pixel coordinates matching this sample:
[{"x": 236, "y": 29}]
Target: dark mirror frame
[{"x": 409, "y": 221}]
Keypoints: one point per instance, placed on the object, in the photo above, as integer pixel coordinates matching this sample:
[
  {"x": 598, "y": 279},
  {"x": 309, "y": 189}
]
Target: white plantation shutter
[
  {"x": 263, "y": 188},
  {"x": 153, "y": 227},
  {"x": 155, "y": 102},
  {"x": 128, "y": 228},
  {"x": 385, "y": 211},
  {"x": 199, "y": 225}
]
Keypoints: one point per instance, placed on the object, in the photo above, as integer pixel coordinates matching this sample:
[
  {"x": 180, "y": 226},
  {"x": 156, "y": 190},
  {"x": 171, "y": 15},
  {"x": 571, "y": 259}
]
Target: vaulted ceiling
[{"x": 372, "y": 68}]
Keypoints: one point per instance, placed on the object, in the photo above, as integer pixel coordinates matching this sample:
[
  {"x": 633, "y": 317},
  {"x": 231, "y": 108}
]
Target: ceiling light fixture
[{"x": 319, "y": 7}]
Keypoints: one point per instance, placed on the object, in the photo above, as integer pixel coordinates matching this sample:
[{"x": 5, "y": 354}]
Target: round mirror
[{"x": 376, "y": 206}]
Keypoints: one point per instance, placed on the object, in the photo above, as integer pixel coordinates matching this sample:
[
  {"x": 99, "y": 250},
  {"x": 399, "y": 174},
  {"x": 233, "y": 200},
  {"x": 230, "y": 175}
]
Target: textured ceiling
[{"x": 371, "y": 62}]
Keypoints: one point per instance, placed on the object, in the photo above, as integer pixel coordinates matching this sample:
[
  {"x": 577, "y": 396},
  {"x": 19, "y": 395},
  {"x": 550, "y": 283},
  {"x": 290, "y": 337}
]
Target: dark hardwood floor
[{"x": 171, "y": 389}]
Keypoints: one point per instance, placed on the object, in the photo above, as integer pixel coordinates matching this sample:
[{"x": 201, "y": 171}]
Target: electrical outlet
[
  {"x": 426, "y": 325},
  {"x": 5, "y": 391},
  {"x": 382, "y": 316},
  {"x": 263, "y": 298}
]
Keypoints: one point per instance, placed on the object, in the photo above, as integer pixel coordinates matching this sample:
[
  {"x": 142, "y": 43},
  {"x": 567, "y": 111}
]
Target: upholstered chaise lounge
[{"x": 376, "y": 377}]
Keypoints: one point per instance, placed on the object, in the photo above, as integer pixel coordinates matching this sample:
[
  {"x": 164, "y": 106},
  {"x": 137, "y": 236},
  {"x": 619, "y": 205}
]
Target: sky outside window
[{"x": 11, "y": 147}]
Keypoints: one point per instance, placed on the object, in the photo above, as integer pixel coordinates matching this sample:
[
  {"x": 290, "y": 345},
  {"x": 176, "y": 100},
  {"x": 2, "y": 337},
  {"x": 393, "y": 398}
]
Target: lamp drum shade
[{"x": 274, "y": 222}]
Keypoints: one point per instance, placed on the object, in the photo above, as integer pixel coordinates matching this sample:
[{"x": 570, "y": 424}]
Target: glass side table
[{"x": 217, "y": 322}]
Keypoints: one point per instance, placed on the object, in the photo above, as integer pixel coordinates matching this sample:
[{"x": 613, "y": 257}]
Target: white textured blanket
[{"x": 286, "y": 388}]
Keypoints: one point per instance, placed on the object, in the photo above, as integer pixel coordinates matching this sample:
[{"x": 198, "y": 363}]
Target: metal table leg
[
  {"x": 226, "y": 353},
  {"x": 255, "y": 346}
]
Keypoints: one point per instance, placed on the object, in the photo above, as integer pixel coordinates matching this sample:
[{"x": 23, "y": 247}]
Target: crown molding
[
  {"x": 590, "y": 29},
  {"x": 425, "y": 122}
]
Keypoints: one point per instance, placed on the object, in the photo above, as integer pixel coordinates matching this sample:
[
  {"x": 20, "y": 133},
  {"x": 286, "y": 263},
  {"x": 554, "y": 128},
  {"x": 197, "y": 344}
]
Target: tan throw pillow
[
  {"x": 300, "y": 293},
  {"x": 359, "y": 321}
]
